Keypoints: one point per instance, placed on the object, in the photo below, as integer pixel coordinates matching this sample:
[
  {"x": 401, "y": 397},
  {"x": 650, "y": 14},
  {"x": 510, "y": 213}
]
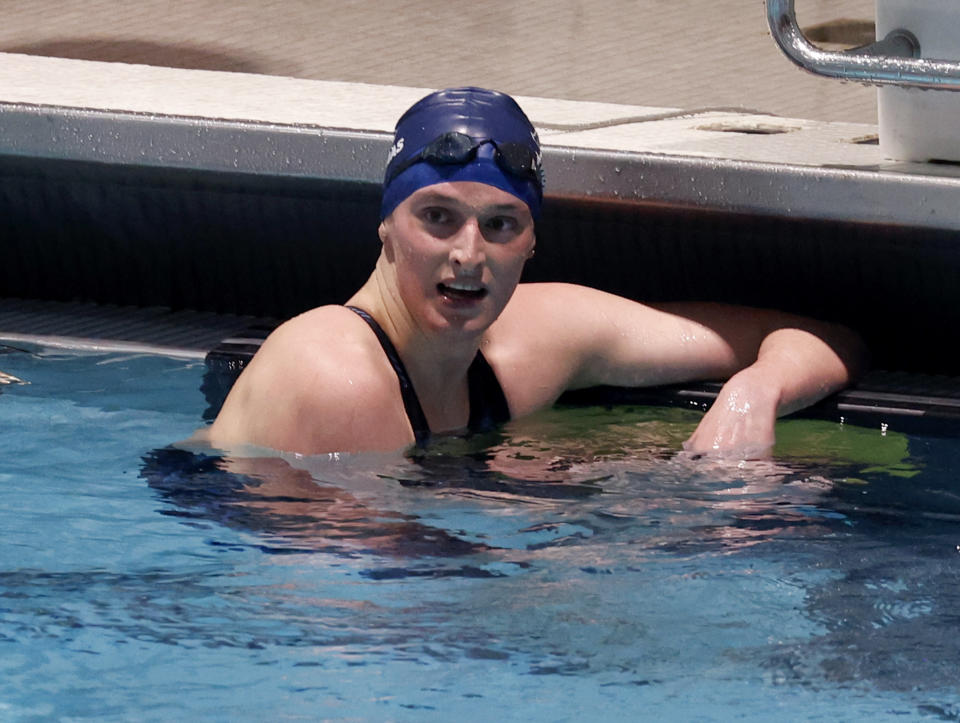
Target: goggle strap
[{"x": 453, "y": 148}]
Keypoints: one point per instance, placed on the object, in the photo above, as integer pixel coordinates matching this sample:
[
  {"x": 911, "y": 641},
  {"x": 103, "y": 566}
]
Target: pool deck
[{"x": 695, "y": 54}]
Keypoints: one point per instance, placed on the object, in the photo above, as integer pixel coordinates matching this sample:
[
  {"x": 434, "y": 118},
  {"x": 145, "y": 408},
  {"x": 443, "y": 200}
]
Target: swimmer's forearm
[
  {"x": 794, "y": 369},
  {"x": 805, "y": 365}
]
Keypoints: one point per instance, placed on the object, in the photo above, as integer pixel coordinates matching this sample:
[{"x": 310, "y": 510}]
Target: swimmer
[{"x": 443, "y": 338}]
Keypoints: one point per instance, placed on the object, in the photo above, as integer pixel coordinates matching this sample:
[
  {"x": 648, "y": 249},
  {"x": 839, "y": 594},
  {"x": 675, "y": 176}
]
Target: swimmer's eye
[
  {"x": 436, "y": 215},
  {"x": 501, "y": 224}
]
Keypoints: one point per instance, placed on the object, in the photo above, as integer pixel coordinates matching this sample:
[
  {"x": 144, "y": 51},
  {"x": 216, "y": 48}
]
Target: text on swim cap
[{"x": 395, "y": 150}]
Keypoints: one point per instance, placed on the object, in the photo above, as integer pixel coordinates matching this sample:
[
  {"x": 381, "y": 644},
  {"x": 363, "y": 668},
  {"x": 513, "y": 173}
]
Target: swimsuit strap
[
  {"x": 418, "y": 420},
  {"x": 488, "y": 403}
]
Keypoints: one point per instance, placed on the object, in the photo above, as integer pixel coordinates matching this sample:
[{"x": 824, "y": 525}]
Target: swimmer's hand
[
  {"x": 794, "y": 368},
  {"x": 741, "y": 421}
]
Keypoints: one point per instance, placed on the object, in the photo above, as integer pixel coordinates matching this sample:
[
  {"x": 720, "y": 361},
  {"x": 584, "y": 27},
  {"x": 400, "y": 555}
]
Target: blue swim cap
[{"x": 464, "y": 134}]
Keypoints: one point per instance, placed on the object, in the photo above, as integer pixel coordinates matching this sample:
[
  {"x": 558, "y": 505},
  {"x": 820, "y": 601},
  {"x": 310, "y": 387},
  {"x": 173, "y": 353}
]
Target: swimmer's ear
[{"x": 384, "y": 233}]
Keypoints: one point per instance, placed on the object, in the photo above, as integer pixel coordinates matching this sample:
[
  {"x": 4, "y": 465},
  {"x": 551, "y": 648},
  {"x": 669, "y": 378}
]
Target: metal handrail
[{"x": 895, "y": 60}]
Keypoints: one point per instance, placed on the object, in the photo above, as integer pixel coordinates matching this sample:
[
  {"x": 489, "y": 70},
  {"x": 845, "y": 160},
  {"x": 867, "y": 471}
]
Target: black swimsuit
[{"x": 488, "y": 405}]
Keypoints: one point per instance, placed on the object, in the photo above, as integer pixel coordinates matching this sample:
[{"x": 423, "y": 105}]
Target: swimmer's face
[{"x": 456, "y": 251}]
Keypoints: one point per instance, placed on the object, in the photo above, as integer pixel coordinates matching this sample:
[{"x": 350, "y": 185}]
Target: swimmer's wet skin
[{"x": 462, "y": 191}]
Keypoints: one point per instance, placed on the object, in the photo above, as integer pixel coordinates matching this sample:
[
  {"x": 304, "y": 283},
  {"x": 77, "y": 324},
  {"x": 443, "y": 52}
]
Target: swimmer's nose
[{"x": 467, "y": 250}]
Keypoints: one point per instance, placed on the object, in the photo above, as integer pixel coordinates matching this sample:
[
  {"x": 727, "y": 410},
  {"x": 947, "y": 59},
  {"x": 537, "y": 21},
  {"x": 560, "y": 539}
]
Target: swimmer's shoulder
[
  {"x": 323, "y": 328},
  {"x": 328, "y": 349},
  {"x": 550, "y": 336},
  {"x": 531, "y": 346},
  {"x": 550, "y": 296},
  {"x": 315, "y": 385},
  {"x": 298, "y": 346},
  {"x": 567, "y": 312},
  {"x": 550, "y": 311}
]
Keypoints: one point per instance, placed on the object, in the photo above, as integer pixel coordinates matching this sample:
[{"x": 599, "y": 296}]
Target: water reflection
[
  {"x": 890, "y": 610},
  {"x": 835, "y": 562},
  {"x": 288, "y": 508},
  {"x": 618, "y": 472}
]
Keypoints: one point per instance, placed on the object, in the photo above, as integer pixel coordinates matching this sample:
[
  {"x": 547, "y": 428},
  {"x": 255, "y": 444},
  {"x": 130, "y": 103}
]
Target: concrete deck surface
[{"x": 689, "y": 54}]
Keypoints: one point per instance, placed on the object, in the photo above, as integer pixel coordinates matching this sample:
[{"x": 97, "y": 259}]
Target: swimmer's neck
[
  {"x": 436, "y": 362},
  {"x": 426, "y": 353}
]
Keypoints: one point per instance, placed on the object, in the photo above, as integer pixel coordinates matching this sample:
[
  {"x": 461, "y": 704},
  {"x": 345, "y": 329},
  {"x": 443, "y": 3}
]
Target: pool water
[{"x": 574, "y": 566}]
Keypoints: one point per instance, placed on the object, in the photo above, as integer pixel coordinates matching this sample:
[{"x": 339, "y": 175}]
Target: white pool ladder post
[{"x": 914, "y": 125}]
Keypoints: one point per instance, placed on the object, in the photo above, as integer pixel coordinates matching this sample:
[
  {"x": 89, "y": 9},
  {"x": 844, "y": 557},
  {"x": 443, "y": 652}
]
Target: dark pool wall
[
  {"x": 147, "y": 236},
  {"x": 273, "y": 246}
]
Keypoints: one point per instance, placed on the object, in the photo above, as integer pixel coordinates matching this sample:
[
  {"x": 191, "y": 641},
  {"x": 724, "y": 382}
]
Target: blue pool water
[{"x": 574, "y": 567}]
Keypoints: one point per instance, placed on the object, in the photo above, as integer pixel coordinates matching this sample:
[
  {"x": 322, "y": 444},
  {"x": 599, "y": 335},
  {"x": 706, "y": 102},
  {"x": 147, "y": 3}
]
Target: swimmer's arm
[
  {"x": 775, "y": 363},
  {"x": 641, "y": 345},
  {"x": 796, "y": 365}
]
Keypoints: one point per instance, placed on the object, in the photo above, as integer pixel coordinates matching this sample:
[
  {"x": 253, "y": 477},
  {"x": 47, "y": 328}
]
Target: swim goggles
[{"x": 454, "y": 148}]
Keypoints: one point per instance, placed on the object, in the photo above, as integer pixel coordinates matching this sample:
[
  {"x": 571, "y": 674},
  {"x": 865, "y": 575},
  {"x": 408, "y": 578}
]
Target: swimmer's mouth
[{"x": 462, "y": 291}]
